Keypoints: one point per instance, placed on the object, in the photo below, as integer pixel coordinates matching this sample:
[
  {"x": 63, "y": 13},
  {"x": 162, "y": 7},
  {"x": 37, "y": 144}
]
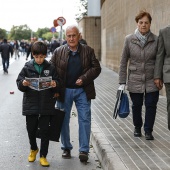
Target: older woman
[{"x": 137, "y": 71}]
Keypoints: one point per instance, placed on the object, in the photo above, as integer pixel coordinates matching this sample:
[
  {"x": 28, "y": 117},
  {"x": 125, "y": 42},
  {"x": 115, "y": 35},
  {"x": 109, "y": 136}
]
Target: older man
[
  {"x": 77, "y": 66},
  {"x": 162, "y": 65}
]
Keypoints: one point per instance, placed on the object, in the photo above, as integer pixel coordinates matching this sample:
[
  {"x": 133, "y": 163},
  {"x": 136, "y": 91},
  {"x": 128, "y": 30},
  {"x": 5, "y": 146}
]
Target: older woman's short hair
[{"x": 142, "y": 14}]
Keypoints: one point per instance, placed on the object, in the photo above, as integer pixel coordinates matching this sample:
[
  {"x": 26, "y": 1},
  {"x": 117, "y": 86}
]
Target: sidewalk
[{"x": 113, "y": 140}]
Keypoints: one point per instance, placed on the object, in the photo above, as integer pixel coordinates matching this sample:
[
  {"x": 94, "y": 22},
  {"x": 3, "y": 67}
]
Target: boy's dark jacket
[{"x": 37, "y": 102}]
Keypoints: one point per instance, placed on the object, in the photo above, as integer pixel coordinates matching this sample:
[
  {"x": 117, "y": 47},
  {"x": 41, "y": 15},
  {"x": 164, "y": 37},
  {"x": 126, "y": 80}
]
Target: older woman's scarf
[{"x": 142, "y": 38}]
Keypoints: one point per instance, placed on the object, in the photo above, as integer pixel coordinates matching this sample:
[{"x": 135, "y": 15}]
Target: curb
[{"x": 107, "y": 156}]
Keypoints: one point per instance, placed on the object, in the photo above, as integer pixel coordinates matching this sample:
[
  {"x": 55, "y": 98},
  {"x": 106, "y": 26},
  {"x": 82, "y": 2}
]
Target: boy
[{"x": 38, "y": 106}]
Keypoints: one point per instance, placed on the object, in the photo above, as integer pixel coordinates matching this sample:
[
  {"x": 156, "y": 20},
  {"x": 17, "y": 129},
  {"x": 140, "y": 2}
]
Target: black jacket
[
  {"x": 37, "y": 102},
  {"x": 54, "y": 45},
  {"x": 29, "y": 51},
  {"x": 6, "y": 50}
]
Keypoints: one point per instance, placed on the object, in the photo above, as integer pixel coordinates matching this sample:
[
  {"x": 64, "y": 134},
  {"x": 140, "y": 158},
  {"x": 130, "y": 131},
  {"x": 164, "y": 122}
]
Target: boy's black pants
[{"x": 32, "y": 125}]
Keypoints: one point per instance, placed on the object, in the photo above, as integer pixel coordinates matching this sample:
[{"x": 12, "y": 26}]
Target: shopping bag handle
[{"x": 118, "y": 96}]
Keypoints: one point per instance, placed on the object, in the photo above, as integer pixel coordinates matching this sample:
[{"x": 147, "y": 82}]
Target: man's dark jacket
[
  {"x": 91, "y": 68},
  {"x": 29, "y": 51},
  {"x": 6, "y": 50},
  {"x": 37, "y": 102}
]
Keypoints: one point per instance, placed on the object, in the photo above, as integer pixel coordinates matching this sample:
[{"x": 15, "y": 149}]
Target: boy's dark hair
[
  {"x": 142, "y": 14},
  {"x": 39, "y": 47}
]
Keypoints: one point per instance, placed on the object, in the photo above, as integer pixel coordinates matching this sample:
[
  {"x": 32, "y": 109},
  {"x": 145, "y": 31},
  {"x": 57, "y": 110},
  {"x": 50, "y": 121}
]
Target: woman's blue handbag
[
  {"x": 122, "y": 103},
  {"x": 123, "y": 110}
]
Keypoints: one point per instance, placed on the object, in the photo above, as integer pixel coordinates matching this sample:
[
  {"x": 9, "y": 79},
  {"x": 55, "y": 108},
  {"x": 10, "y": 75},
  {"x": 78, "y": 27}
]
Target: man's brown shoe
[
  {"x": 66, "y": 154},
  {"x": 83, "y": 156}
]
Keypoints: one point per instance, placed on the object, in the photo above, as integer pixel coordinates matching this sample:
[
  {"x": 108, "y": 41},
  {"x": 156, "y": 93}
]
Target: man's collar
[{"x": 72, "y": 50}]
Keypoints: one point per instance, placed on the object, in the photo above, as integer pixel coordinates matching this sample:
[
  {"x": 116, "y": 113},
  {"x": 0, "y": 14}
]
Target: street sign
[
  {"x": 59, "y": 21},
  {"x": 55, "y": 23},
  {"x": 53, "y": 29}
]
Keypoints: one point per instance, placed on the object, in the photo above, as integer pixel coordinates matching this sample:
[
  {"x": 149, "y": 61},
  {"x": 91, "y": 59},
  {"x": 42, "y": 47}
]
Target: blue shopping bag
[{"x": 123, "y": 110}]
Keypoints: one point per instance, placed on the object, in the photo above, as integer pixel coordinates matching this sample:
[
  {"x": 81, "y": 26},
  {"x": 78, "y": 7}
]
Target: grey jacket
[
  {"x": 162, "y": 65},
  {"x": 137, "y": 64}
]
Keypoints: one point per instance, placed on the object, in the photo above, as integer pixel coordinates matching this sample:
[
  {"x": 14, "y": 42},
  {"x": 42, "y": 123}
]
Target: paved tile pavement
[
  {"x": 112, "y": 140},
  {"x": 134, "y": 153}
]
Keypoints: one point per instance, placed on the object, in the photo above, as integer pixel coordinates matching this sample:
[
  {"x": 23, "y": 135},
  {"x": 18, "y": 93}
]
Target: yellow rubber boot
[
  {"x": 44, "y": 162},
  {"x": 32, "y": 155}
]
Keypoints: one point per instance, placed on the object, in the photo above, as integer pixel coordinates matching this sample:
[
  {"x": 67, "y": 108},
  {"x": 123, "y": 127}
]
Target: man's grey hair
[{"x": 73, "y": 26}]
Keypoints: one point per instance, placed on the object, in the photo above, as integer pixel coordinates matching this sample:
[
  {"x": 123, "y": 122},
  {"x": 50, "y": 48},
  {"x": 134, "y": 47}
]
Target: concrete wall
[
  {"x": 90, "y": 28},
  {"x": 117, "y": 20}
]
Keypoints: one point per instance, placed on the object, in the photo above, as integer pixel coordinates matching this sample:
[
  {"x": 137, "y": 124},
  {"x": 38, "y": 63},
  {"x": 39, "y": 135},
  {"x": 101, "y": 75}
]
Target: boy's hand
[
  {"x": 53, "y": 83},
  {"x": 25, "y": 83}
]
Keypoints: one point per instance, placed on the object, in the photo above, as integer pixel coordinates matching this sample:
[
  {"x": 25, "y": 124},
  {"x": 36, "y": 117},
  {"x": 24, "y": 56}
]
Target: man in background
[
  {"x": 54, "y": 45},
  {"x": 5, "y": 50},
  {"x": 29, "y": 48},
  {"x": 82, "y": 41}
]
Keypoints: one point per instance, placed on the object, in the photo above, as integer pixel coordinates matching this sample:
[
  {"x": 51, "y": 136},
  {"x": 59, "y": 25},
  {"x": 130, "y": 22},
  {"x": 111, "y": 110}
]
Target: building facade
[
  {"x": 106, "y": 33},
  {"x": 118, "y": 20},
  {"x": 90, "y": 27}
]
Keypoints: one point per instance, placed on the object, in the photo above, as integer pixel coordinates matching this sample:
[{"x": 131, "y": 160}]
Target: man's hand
[
  {"x": 79, "y": 82},
  {"x": 158, "y": 83}
]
